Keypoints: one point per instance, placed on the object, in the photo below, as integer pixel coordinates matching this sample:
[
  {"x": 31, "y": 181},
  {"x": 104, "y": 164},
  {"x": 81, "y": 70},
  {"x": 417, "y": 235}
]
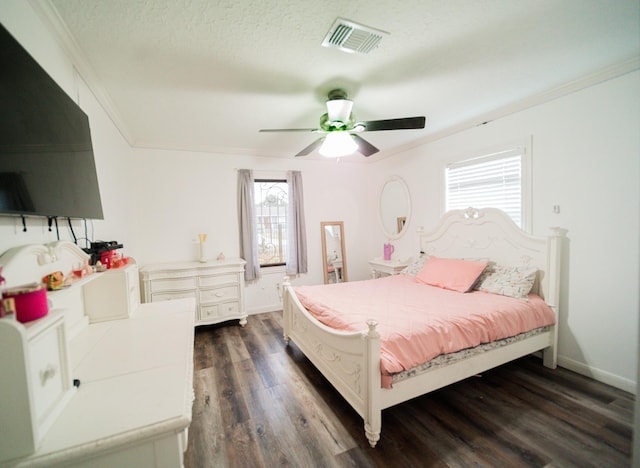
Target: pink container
[
  {"x": 30, "y": 301},
  {"x": 388, "y": 251}
]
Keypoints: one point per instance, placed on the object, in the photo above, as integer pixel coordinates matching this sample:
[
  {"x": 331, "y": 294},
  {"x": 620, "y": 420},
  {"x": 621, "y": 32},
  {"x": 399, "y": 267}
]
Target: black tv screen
[{"x": 47, "y": 166}]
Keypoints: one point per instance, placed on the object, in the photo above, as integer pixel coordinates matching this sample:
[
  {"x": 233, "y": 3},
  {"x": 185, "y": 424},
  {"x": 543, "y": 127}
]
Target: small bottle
[{"x": 8, "y": 308}]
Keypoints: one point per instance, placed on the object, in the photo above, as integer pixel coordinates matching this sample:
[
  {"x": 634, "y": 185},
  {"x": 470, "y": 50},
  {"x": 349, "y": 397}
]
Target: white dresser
[
  {"x": 216, "y": 286},
  {"x": 135, "y": 374}
]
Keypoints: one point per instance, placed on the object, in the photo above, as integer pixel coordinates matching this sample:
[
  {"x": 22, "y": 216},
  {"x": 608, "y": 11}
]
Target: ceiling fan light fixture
[
  {"x": 338, "y": 144},
  {"x": 339, "y": 109}
]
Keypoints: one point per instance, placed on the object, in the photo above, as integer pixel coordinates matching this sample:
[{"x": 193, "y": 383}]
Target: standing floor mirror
[{"x": 334, "y": 261}]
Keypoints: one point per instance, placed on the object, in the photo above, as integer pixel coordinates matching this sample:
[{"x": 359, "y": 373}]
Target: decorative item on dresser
[
  {"x": 380, "y": 267},
  {"x": 100, "y": 380},
  {"x": 216, "y": 286}
]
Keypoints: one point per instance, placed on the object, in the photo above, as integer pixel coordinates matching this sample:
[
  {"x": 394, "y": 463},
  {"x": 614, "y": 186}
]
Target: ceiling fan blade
[
  {"x": 406, "y": 123},
  {"x": 311, "y": 147},
  {"x": 307, "y": 130},
  {"x": 366, "y": 148}
]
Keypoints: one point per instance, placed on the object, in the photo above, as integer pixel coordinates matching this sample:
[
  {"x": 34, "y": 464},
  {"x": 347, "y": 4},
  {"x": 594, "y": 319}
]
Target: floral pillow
[
  {"x": 415, "y": 266},
  {"x": 507, "y": 281}
]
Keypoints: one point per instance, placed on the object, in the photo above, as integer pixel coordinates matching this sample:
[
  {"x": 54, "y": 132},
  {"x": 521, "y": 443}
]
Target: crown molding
[
  {"x": 51, "y": 18},
  {"x": 614, "y": 71}
]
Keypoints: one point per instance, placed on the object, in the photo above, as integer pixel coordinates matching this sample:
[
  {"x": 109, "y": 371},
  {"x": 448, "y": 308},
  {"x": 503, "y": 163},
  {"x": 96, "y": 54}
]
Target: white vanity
[{"x": 134, "y": 363}]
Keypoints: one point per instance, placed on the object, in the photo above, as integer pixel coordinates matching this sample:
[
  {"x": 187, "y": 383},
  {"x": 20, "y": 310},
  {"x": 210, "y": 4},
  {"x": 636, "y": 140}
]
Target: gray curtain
[
  {"x": 247, "y": 225},
  {"x": 297, "y": 245}
]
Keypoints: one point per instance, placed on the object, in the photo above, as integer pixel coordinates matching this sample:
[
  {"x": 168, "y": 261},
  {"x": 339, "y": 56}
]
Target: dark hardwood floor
[{"x": 261, "y": 404}]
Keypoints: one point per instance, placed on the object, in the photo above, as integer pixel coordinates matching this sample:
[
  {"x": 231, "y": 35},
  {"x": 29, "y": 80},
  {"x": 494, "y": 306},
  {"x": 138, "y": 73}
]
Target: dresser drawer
[
  {"x": 218, "y": 280},
  {"x": 167, "y": 296},
  {"x": 219, "y": 294},
  {"x": 219, "y": 311},
  {"x": 36, "y": 381},
  {"x": 47, "y": 366},
  {"x": 172, "y": 284}
]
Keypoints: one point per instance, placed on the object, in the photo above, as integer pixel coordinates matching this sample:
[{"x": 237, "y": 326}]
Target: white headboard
[{"x": 490, "y": 234}]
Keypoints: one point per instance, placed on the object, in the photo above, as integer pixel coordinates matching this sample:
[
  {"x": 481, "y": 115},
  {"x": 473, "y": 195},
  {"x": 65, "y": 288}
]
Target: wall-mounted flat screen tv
[{"x": 47, "y": 166}]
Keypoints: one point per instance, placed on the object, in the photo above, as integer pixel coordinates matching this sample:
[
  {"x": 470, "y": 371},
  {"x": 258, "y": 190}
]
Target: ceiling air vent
[{"x": 352, "y": 37}]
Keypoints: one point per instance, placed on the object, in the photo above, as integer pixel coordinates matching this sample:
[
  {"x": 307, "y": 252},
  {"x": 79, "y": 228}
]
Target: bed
[{"x": 351, "y": 360}]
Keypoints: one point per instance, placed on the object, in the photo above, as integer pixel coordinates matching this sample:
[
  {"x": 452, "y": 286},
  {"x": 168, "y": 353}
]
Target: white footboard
[{"x": 349, "y": 360}]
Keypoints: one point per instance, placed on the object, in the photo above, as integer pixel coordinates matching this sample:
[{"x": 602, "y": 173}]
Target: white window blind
[{"x": 492, "y": 181}]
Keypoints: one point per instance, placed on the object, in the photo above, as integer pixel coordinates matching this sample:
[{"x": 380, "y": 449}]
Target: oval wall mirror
[
  {"x": 395, "y": 207},
  {"x": 334, "y": 257}
]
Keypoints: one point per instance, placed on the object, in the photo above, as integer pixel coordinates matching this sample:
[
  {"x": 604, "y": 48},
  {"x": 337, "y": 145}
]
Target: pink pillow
[{"x": 450, "y": 273}]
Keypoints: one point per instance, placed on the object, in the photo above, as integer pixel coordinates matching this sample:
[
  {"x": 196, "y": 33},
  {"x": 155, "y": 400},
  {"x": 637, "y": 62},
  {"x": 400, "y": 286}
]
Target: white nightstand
[{"x": 380, "y": 267}]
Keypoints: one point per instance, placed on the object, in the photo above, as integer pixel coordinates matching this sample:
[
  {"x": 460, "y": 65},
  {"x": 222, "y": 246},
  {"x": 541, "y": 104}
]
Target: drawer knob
[
  {"x": 219, "y": 294},
  {"x": 47, "y": 374}
]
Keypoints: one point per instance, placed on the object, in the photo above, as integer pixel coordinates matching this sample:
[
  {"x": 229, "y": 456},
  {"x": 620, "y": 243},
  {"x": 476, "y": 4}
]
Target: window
[
  {"x": 271, "y": 200},
  {"x": 496, "y": 180}
]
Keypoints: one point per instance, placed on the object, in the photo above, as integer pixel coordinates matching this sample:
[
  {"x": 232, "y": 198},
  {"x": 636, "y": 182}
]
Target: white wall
[
  {"x": 586, "y": 156},
  {"x": 182, "y": 194}
]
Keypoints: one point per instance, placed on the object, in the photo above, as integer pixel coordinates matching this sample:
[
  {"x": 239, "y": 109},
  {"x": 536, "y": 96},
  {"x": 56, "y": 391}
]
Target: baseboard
[
  {"x": 598, "y": 374},
  {"x": 264, "y": 309}
]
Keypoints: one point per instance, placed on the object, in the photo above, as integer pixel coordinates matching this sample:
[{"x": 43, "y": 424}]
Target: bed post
[
  {"x": 373, "y": 412},
  {"x": 286, "y": 312},
  {"x": 552, "y": 295}
]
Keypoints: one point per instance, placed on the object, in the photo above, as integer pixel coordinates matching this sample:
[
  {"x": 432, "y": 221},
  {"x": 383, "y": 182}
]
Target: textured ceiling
[{"x": 207, "y": 75}]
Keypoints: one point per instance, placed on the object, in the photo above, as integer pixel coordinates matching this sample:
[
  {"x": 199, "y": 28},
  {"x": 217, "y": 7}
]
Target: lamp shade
[
  {"x": 338, "y": 144},
  {"x": 339, "y": 109}
]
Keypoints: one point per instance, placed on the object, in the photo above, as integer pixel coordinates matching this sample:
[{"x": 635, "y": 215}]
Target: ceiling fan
[{"x": 341, "y": 129}]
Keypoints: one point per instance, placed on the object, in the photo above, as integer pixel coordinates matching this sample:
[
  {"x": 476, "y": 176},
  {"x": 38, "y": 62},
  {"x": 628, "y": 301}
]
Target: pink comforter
[{"x": 417, "y": 322}]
